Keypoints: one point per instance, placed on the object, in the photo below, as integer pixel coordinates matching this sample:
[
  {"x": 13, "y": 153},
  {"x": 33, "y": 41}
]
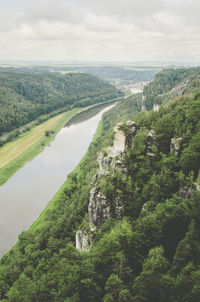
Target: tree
[
  {"x": 112, "y": 288},
  {"x": 153, "y": 284}
]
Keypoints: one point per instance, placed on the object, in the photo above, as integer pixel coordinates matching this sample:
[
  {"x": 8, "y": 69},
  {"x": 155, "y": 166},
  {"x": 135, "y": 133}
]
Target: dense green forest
[
  {"x": 122, "y": 73},
  {"x": 26, "y": 96},
  {"x": 153, "y": 252}
]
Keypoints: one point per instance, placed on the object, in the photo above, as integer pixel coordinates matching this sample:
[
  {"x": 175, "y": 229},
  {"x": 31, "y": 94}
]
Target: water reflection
[
  {"x": 25, "y": 195},
  {"x": 87, "y": 114}
]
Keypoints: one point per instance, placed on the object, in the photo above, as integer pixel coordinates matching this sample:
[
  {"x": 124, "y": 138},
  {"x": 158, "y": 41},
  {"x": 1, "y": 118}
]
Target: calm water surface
[{"x": 25, "y": 195}]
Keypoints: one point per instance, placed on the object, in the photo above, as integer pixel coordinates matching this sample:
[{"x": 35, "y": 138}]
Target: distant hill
[
  {"x": 121, "y": 74},
  {"x": 170, "y": 83},
  {"x": 26, "y": 96}
]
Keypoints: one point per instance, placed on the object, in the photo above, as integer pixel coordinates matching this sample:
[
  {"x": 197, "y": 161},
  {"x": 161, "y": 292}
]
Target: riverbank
[
  {"x": 61, "y": 194},
  {"x": 27, "y": 193},
  {"x": 15, "y": 154}
]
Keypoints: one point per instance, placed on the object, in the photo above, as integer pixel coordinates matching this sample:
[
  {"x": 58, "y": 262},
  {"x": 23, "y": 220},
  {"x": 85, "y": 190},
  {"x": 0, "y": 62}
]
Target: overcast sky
[{"x": 100, "y": 30}]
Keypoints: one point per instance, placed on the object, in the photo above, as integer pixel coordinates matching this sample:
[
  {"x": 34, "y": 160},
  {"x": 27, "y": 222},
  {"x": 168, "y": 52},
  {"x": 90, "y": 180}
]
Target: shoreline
[{"x": 13, "y": 165}]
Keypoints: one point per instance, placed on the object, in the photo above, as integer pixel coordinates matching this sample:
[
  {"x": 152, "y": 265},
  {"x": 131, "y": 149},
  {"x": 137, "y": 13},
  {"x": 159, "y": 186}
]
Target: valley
[
  {"x": 124, "y": 225},
  {"x": 36, "y": 183}
]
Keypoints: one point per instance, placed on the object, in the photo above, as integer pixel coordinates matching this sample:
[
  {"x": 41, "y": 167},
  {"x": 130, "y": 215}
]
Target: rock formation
[
  {"x": 143, "y": 109},
  {"x": 83, "y": 240},
  {"x": 156, "y": 107},
  {"x": 186, "y": 192},
  {"x": 151, "y": 140},
  {"x": 99, "y": 208},
  {"x": 175, "y": 146}
]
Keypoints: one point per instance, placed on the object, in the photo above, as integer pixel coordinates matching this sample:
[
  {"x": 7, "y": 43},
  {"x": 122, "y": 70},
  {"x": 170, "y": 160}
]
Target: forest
[
  {"x": 121, "y": 73},
  {"x": 161, "y": 89},
  {"x": 153, "y": 252},
  {"x": 25, "y": 97}
]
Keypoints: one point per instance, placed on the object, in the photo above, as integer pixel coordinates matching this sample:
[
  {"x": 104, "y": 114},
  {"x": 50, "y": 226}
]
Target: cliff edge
[{"x": 99, "y": 207}]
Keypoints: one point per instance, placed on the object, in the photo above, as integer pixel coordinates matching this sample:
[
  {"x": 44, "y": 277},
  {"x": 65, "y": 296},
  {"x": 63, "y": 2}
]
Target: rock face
[
  {"x": 99, "y": 208},
  {"x": 110, "y": 159},
  {"x": 175, "y": 146},
  {"x": 119, "y": 140},
  {"x": 156, "y": 107},
  {"x": 108, "y": 163},
  {"x": 151, "y": 140},
  {"x": 83, "y": 240},
  {"x": 123, "y": 134},
  {"x": 143, "y": 109},
  {"x": 186, "y": 192}
]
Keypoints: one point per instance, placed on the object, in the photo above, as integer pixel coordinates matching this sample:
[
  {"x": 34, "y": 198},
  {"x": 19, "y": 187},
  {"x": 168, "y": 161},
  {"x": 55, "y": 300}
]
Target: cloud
[
  {"x": 124, "y": 9},
  {"x": 52, "y": 11},
  {"x": 123, "y": 30}
]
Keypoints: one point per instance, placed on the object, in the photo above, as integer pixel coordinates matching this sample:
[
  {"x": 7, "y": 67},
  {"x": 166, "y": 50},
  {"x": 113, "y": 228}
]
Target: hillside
[
  {"x": 141, "y": 228},
  {"x": 170, "y": 83},
  {"x": 26, "y": 96},
  {"x": 123, "y": 74}
]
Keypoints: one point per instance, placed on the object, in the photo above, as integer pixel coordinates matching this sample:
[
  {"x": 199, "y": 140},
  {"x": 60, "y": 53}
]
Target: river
[{"x": 27, "y": 192}]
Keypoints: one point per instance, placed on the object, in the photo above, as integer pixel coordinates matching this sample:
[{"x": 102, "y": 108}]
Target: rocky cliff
[{"x": 99, "y": 208}]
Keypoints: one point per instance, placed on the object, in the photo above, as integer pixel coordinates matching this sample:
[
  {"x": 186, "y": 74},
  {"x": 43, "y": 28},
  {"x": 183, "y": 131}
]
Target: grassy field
[{"x": 15, "y": 154}]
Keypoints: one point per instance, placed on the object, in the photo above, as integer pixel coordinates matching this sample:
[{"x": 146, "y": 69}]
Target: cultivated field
[{"x": 14, "y": 154}]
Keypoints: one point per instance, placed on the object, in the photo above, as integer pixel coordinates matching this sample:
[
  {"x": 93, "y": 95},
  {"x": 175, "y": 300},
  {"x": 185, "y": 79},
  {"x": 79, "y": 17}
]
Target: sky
[{"x": 100, "y": 30}]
